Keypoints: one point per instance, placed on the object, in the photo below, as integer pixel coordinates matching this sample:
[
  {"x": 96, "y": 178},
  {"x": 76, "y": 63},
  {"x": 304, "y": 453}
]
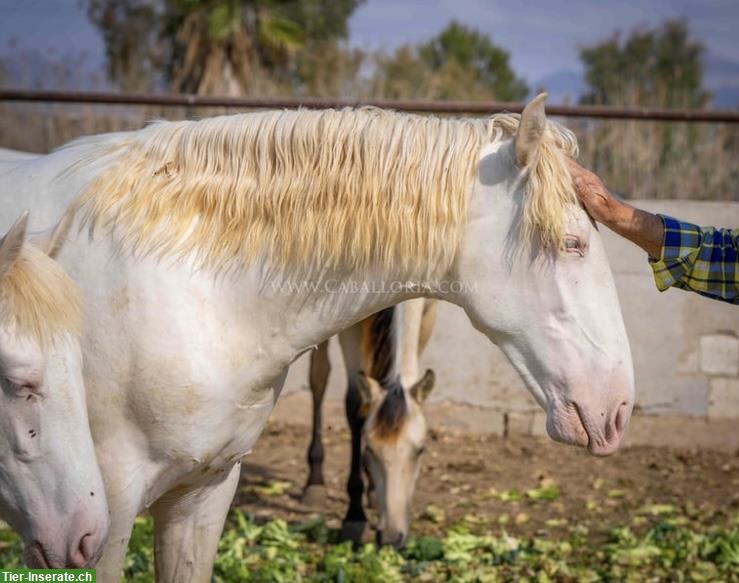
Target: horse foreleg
[
  {"x": 187, "y": 527},
  {"x": 314, "y": 492},
  {"x": 355, "y": 521},
  {"x": 124, "y": 504}
]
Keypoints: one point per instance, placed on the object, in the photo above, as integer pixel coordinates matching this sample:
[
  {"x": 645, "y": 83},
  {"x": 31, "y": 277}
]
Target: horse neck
[{"x": 336, "y": 303}]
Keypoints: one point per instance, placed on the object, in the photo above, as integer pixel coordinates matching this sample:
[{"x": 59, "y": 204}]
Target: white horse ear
[
  {"x": 422, "y": 389},
  {"x": 12, "y": 243},
  {"x": 531, "y": 129},
  {"x": 53, "y": 240},
  {"x": 369, "y": 389}
]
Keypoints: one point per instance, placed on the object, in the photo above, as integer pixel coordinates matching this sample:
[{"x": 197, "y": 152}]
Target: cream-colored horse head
[
  {"x": 394, "y": 441},
  {"x": 537, "y": 282},
  {"x": 51, "y": 490}
]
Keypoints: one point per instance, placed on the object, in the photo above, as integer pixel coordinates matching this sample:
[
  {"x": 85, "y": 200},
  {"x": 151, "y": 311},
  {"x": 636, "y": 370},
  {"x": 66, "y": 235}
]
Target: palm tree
[{"x": 226, "y": 47}]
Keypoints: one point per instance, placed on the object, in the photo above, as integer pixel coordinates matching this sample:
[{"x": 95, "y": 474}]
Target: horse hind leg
[
  {"x": 187, "y": 527},
  {"x": 314, "y": 493}
]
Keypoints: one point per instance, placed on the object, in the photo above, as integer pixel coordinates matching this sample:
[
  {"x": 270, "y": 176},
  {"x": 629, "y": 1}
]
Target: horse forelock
[
  {"x": 392, "y": 413},
  {"x": 38, "y": 299},
  {"x": 317, "y": 189}
]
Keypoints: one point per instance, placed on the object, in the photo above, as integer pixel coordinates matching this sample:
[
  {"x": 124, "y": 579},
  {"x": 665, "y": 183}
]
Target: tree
[
  {"x": 401, "y": 75},
  {"x": 232, "y": 47},
  {"x": 465, "y": 61},
  {"x": 459, "y": 63},
  {"x": 130, "y": 30},
  {"x": 658, "y": 67}
]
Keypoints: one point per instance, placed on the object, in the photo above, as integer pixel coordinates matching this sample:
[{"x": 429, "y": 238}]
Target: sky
[{"x": 542, "y": 36}]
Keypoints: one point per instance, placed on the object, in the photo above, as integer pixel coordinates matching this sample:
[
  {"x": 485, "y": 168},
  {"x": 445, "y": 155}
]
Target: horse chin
[{"x": 38, "y": 557}]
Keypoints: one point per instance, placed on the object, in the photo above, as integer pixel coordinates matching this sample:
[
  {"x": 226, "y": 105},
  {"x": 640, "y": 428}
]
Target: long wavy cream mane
[
  {"x": 316, "y": 189},
  {"x": 38, "y": 300}
]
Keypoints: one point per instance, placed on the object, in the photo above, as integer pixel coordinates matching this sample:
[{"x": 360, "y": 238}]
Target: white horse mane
[
  {"x": 38, "y": 299},
  {"x": 316, "y": 189}
]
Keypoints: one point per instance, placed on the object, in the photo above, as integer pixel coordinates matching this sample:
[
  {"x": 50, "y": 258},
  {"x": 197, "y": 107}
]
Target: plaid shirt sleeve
[{"x": 700, "y": 259}]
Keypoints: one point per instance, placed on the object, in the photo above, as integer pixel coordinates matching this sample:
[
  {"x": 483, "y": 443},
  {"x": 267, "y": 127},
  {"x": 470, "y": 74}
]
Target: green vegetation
[{"x": 667, "y": 546}]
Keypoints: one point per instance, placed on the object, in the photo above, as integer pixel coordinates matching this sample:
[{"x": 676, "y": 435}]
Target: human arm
[{"x": 700, "y": 259}]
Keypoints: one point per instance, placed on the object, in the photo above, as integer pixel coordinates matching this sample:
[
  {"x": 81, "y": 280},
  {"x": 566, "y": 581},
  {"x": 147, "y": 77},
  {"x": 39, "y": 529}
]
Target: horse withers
[{"x": 51, "y": 490}]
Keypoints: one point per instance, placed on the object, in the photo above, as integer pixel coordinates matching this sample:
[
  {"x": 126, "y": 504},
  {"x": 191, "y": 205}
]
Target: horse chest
[
  {"x": 203, "y": 420},
  {"x": 190, "y": 449}
]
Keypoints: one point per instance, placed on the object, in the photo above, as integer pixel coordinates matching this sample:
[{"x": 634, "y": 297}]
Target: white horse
[
  {"x": 384, "y": 399},
  {"x": 51, "y": 490},
  {"x": 7, "y": 155},
  {"x": 221, "y": 250}
]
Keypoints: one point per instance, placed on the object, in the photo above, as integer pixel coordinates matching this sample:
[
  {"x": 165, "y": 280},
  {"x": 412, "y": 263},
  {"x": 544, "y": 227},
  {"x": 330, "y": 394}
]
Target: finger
[{"x": 580, "y": 183}]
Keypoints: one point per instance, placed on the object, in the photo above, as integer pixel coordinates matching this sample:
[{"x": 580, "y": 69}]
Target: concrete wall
[{"x": 685, "y": 349}]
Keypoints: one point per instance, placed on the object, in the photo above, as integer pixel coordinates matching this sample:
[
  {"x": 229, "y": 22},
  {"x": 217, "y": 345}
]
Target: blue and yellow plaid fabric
[{"x": 700, "y": 259}]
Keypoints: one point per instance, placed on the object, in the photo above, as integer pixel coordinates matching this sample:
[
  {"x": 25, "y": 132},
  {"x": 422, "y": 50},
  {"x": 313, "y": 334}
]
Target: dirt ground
[{"x": 471, "y": 477}]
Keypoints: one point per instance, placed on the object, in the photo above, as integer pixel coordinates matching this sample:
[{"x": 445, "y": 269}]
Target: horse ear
[
  {"x": 530, "y": 129},
  {"x": 422, "y": 389},
  {"x": 53, "y": 241},
  {"x": 12, "y": 244},
  {"x": 369, "y": 389}
]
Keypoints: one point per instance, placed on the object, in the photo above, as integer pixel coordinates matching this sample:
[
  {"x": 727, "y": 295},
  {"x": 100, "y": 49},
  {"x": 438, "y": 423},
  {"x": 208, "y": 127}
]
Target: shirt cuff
[{"x": 680, "y": 247}]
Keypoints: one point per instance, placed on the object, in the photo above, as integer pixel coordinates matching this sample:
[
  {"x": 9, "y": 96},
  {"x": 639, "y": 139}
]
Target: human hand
[
  {"x": 593, "y": 194},
  {"x": 640, "y": 227}
]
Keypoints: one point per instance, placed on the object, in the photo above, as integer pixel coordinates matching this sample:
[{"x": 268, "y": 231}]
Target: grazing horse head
[
  {"x": 394, "y": 441},
  {"x": 51, "y": 490},
  {"x": 537, "y": 282}
]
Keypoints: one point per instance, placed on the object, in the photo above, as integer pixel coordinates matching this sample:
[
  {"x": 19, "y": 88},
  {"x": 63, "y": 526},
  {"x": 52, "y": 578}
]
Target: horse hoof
[
  {"x": 353, "y": 531},
  {"x": 314, "y": 495}
]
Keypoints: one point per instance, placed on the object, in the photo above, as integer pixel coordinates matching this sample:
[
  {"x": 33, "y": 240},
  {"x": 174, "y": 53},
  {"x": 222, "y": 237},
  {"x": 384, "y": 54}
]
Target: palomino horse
[
  {"x": 385, "y": 393},
  {"x": 51, "y": 490},
  {"x": 220, "y": 250}
]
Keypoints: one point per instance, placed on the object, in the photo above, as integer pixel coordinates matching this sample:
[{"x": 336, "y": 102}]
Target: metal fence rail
[{"x": 420, "y": 106}]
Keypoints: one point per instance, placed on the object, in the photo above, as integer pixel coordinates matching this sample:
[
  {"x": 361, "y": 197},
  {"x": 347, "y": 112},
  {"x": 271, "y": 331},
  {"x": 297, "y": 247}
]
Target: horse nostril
[
  {"x": 83, "y": 553},
  {"x": 614, "y": 429},
  {"x": 621, "y": 417}
]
